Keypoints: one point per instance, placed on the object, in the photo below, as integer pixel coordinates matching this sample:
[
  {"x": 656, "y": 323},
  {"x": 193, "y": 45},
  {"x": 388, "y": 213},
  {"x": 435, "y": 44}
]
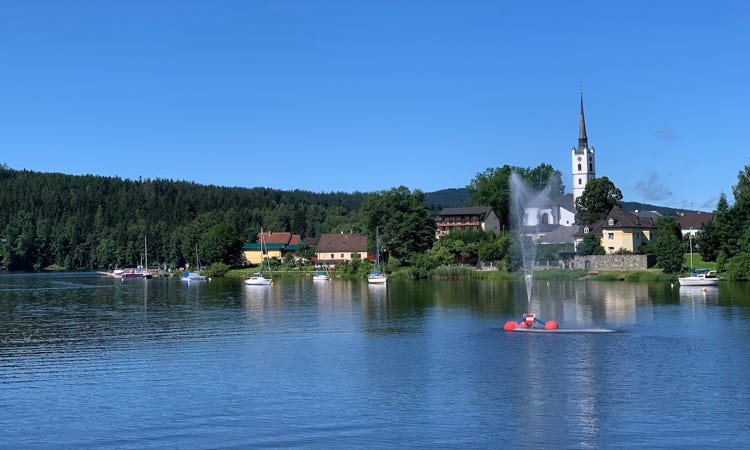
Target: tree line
[{"x": 75, "y": 222}]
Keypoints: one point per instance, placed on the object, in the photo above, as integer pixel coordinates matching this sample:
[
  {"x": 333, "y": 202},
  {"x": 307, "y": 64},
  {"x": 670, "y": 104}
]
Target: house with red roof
[{"x": 276, "y": 244}]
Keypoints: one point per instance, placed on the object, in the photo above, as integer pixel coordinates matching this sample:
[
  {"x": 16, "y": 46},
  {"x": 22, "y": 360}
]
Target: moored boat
[
  {"x": 701, "y": 277},
  {"x": 258, "y": 278}
]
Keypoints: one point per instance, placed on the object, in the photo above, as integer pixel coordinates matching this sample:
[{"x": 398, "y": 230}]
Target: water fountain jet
[{"x": 525, "y": 201}]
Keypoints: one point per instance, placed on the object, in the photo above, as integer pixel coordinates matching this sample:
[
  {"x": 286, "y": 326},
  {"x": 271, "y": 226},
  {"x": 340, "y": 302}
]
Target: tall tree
[
  {"x": 667, "y": 245},
  {"x": 404, "y": 223},
  {"x": 712, "y": 235},
  {"x": 598, "y": 199}
]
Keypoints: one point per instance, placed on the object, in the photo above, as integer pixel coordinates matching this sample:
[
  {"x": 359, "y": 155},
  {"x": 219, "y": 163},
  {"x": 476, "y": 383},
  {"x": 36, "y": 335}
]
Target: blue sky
[{"x": 369, "y": 95}]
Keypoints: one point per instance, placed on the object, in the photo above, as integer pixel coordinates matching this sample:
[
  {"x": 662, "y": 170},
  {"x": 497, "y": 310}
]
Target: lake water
[{"x": 89, "y": 362}]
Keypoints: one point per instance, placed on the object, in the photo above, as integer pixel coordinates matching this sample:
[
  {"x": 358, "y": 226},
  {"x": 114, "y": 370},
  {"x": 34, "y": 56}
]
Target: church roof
[
  {"x": 560, "y": 235},
  {"x": 555, "y": 200}
]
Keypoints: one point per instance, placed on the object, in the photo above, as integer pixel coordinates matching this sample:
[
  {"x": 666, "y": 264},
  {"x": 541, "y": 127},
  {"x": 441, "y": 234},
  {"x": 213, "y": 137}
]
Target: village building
[
  {"x": 336, "y": 248},
  {"x": 449, "y": 220},
  {"x": 622, "y": 230},
  {"x": 275, "y": 245},
  {"x": 692, "y": 222}
]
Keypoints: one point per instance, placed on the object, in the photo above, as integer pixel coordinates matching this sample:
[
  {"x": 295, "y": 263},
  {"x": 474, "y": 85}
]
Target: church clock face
[{"x": 579, "y": 159}]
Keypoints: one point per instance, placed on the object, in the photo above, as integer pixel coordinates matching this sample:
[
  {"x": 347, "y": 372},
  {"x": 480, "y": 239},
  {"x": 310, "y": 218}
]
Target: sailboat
[
  {"x": 698, "y": 277},
  {"x": 322, "y": 275},
  {"x": 376, "y": 276},
  {"x": 194, "y": 276},
  {"x": 258, "y": 279}
]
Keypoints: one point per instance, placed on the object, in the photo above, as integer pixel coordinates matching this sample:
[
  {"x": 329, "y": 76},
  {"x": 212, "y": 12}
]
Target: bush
[{"x": 216, "y": 270}]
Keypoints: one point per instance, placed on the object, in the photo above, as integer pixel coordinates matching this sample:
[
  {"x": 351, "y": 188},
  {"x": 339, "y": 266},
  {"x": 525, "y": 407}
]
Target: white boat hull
[
  {"x": 698, "y": 281},
  {"x": 376, "y": 279},
  {"x": 258, "y": 281}
]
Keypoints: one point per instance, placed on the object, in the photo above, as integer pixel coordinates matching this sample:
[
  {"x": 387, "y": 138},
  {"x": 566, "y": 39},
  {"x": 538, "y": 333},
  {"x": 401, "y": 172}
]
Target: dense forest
[{"x": 67, "y": 221}]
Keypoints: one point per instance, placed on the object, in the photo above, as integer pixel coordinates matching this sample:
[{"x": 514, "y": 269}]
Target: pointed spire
[{"x": 583, "y": 141}]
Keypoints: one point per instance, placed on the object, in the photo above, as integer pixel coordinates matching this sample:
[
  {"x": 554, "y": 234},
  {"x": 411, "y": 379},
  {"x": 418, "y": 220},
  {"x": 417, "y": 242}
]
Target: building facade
[
  {"x": 335, "y": 248},
  {"x": 464, "y": 219}
]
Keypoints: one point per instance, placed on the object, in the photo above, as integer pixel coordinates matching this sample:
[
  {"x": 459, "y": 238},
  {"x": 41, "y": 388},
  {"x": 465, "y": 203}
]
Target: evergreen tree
[{"x": 667, "y": 245}]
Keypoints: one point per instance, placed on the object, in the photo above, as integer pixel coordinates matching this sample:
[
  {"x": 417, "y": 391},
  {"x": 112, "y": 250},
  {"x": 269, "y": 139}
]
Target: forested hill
[
  {"x": 93, "y": 221},
  {"x": 446, "y": 198}
]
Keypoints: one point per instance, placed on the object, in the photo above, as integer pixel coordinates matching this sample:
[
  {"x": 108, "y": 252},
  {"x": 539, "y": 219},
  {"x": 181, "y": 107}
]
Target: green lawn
[{"x": 698, "y": 262}]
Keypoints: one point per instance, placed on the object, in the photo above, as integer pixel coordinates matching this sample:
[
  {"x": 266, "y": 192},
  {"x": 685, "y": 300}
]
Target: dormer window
[
  {"x": 611, "y": 222},
  {"x": 585, "y": 230}
]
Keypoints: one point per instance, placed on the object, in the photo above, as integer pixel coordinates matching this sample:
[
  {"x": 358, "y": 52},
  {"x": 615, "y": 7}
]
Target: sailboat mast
[{"x": 690, "y": 238}]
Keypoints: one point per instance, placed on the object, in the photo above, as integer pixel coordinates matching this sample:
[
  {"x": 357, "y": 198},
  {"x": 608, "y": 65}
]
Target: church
[{"x": 552, "y": 220}]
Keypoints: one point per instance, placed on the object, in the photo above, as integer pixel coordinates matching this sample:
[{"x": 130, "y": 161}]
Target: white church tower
[{"x": 582, "y": 160}]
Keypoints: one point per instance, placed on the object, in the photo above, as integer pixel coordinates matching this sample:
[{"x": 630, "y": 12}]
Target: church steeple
[
  {"x": 583, "y": 141},
  {"x": 582, "y": 158}
]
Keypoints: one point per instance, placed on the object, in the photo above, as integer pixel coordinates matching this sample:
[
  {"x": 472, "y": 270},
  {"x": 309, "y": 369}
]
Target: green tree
[
  {"x": 713, "y": 235},
  {"x": 667, "y": 245},
  {"x": 220, "y": 244},
  {"x": 598, "y": 199},
  {"x": 495, "y": 250},
  {"x": 591, "y": 245},
  {"x": 402, "y": 220},
  {"x": 738, "y": 267}
]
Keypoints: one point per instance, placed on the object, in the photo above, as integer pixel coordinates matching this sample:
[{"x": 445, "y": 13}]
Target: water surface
[{"x": 89, "y": 362}]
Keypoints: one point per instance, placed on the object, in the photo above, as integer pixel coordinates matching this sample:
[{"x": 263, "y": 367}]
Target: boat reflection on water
[{"x": 702, "y": 294}]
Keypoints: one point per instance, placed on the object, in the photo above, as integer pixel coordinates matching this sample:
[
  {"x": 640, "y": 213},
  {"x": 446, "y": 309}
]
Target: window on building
[
  {"x": 332, "y": 257},
  {"x": 579, "y": 167},
  {"x": 591, "y": 167},
  {"x": 610, "y": 235},
  {"x": 342, "y": 256},
  {"x": 580, "y": 181},
  {"x": 611, "y": 249}
]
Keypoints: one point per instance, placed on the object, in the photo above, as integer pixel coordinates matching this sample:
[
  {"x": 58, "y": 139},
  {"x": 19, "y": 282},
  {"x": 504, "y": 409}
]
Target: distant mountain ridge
[{"x": 458, "y": 197}]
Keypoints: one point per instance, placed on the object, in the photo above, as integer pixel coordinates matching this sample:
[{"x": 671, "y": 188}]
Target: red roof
[{"x": 280, "y": 237}]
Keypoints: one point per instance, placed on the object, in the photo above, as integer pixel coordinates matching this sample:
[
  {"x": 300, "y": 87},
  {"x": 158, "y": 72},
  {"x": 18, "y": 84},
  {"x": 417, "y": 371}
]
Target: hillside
[{"x": 448, "y": 198}]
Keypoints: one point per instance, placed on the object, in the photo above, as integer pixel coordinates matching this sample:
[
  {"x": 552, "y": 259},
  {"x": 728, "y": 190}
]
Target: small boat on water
[
  {"x": 258, "y": 278},
  {"x": 376, "y": 276},
  {"x": 322, "y": 275},
  {"x": 698, "y": 277},
  {"x": 193, "y": 276}
]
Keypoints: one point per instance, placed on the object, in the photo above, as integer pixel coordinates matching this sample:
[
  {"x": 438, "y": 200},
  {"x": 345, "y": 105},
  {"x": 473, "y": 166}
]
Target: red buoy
[
  {"x": 509, "y": 326},
  {"x": 550, "y": 325}
]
